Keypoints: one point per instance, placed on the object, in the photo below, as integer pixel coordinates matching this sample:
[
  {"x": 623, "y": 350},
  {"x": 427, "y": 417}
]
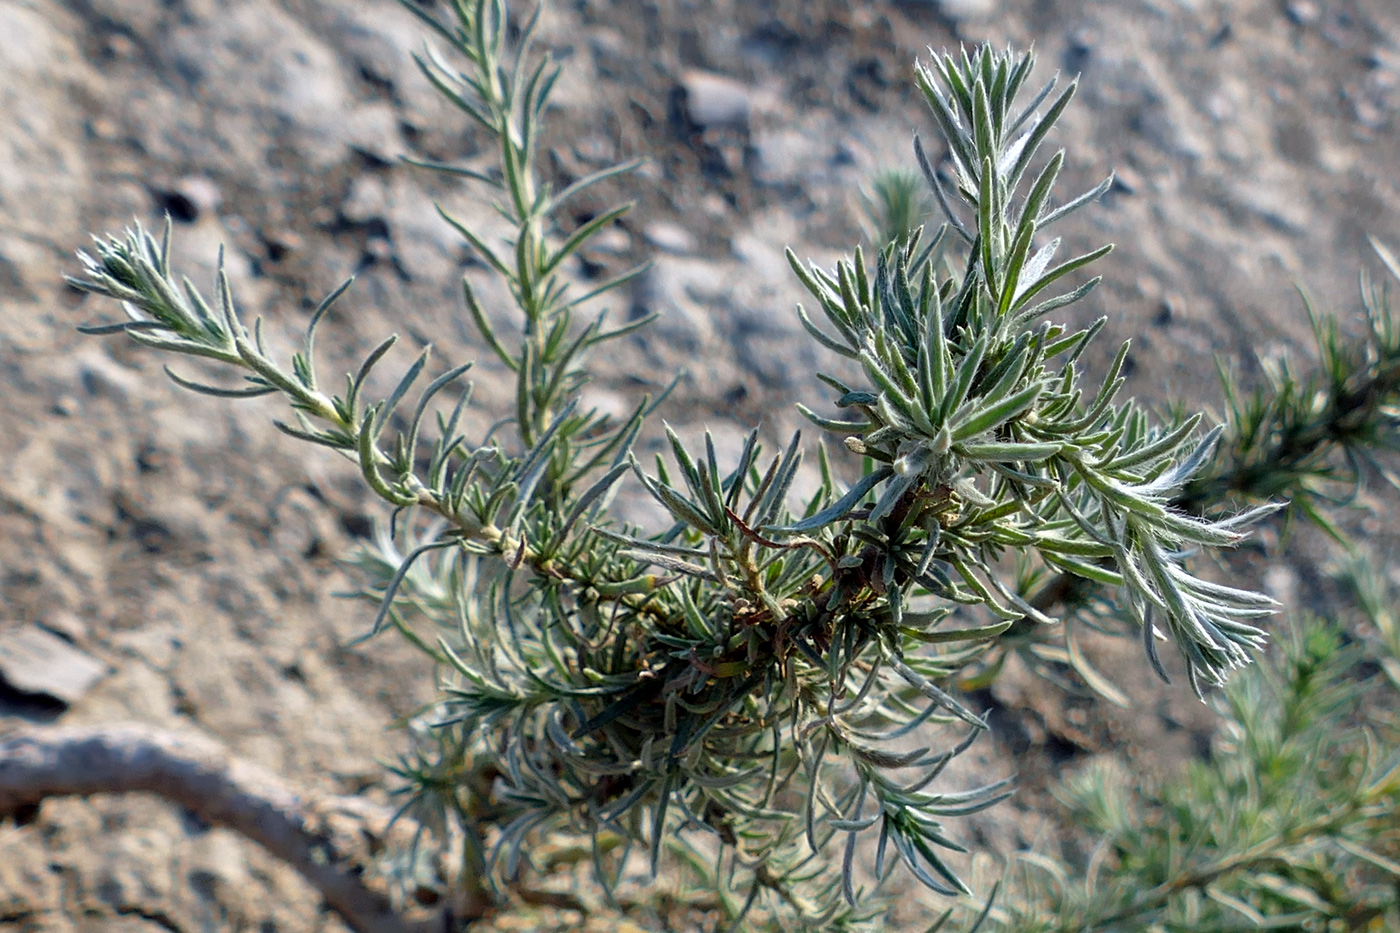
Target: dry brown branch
[{"x": 327, "y": 839}]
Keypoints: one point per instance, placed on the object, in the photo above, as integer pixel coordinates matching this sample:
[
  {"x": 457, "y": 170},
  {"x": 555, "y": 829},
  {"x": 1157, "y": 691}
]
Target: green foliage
[
  {"x": 1309, "y": 436},
  {"x": 984, "y": 438},
  {"x": 1289, "y": 825},
  {"x": 770, "y": 679},
  {"x": 1286, "y": 435}
]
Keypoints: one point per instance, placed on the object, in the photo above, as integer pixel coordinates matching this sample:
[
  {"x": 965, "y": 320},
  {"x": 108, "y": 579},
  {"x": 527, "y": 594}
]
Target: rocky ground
[{"x": 188, "y": 552}]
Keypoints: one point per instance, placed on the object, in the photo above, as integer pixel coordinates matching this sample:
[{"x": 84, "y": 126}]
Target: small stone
[
  {"x": 281, "y": 242},
  {"x": 595, "y": 150},
  {"x": 216, "y": 860},
  {"x": 783, "y": 157},
  {"x": 202, "y": 196},
  {"x": 120, "y": 46},
  {"x": 1303, "y": 12},
  {"x": 611, "y": 241},
  {"x": 1082, "y": 40},
  {"x": 67, "y": 624},
  {"x": 685, "y": 324},
  {"x": 715, "y": 100},
  {"x": 1368, "y": 114},
  {"x": 978, "y": 11},
  {"x": 1281, "y": 583},
  {"x": 102, "y": 128},
  {"x": 1161, "y": 127},
  {"x": 373, "y": 130},
  {"x": 606, "y": 402},
  {"x": 670, "y": 238},
  {"x": 367, "y": 199},
  {"x": 35, "y": 661},
  {"x": 157, "y": 644},
  {"x": 1220, "y": 108},
  {"x": 102, "y": 377},
  {"x": 1271, "y": 205},
  {"x": 611, "y": 53},
  {"x": 714, "y": 206},
  {"x": 1126, "y": 180},
  {"x": 1388, "y": 62},
  {"x": 378, "y": 249}
]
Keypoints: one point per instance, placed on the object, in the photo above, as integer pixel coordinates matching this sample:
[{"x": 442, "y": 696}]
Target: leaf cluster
[
  {"x": 982, "y": 436},
  {"x": 769, "y": 679},
  {"x": 1290, "y": 824},
  {"x": 1315, "y": 436},
  {"x": 1308, "y": 436}
]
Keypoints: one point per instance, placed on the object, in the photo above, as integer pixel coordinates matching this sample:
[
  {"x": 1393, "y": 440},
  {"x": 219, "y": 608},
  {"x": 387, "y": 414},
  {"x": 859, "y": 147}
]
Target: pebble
[
  {"x": 977, "y": 11},
  {"x": 670, "y": 287},
  {"x": 670, "y": 238},
  {"x": 1166, "y": 313},
  {"x": 1281, "y": 582},
  {"x": 102, "y": 128},
  {"x": 281, "y": 242},
  {"x": 611, "y": 54},
  {"x": 611, "y": 241},
  {"x": 1303, "y": 12},
  {"x": 119, "y": 46},
  {"x": 38, "y": 662},
  {"x": 67, "y": 624},
  {"x": 101, "y": 377},
  {"x": 1126, "y": 180},
  {"x": 716, "y": 100},
  {"x": 1278, "y": 208},
  {"x": 373, "y": 130},
  {"x": 367, "y": 199},
  {"x": 378, "y": 249},
  {"x": 782, "y": 157},
  {"x": 198, "y": 196}
]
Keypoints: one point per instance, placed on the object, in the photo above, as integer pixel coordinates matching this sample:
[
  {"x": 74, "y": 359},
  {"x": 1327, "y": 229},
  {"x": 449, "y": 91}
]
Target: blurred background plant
[
  {"x": 766, "y": 690},
  {"x": 897, "y": 202},
  {"x": 1289, "y": 824},
  {"x": 1291, "y": 821}
]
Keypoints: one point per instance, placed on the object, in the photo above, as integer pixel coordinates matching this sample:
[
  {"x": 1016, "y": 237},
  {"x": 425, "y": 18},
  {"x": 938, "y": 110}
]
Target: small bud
[{"x": 943, "y": 441}]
